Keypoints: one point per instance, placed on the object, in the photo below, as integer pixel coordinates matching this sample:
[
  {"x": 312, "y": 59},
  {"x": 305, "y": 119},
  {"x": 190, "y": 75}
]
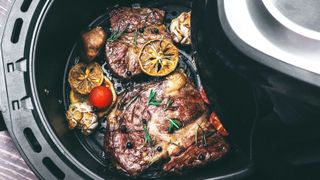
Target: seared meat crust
[
  {"x": 135, "y": 18},
  {"x": 122, "y": 54},
  {"x": 140, "y": 25},
  {"x": 180, "y": 146}
]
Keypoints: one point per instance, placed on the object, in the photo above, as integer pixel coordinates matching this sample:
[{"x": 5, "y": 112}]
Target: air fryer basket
[{"x": 36, "y": 44}]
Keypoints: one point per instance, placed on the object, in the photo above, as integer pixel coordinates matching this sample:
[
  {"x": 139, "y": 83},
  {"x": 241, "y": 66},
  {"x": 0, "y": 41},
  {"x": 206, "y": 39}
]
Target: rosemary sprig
[
  {"x": 147, "y": 137},
  {"x": 147, "y": 17},
  {"x": 196, "y": 135},
  {"x": 174, "y": 124},
  {"x": 169, "y": 105},
  {"x": 152, "y": 99},
  {"x": 117, "y": 34},
  {"x": 136, "y": 34},
  {"x": 204, "y": 139}
]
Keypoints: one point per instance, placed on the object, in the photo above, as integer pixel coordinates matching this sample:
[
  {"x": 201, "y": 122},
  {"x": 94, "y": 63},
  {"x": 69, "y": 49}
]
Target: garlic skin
[
  {"x": 81, "y": 115},
  {"x": 180, "y": 28},
  {"x": 88, "y": 123}
]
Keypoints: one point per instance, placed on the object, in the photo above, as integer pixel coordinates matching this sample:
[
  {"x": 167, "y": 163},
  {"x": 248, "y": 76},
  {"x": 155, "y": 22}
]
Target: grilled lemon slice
[
  {"x": 158, "y": 57},
  {"x": 80, "y": 98},
  {"x": 76, "y": 97},
  {"x": 83, "y": 78}
]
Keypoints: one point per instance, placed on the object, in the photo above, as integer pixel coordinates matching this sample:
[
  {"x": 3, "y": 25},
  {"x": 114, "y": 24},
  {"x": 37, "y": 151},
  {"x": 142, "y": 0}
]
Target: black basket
[{"x": 36, "y": 44}]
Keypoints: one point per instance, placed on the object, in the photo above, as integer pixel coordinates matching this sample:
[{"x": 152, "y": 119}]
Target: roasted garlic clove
[
  {"x": 88, "y": 123},
  {"x": 92, "y": 42},
  {"x": 81, "y": 115},
  {"x": 87, "y": 130},
  {"x": 180, "y": 28}
]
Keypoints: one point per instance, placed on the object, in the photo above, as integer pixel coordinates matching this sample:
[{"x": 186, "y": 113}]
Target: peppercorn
[
  {"x": 129, "y": 73},
  {"x": 129, "y": 145},
  {"x": 141, "y": 30},
  {"x": 123, "y": 128},
  {"x": 201, "y": 157},
  {"x": 144, "y": 121},
  {"x": 155, "y": 31},
  {"x": 159, "y": 148}
]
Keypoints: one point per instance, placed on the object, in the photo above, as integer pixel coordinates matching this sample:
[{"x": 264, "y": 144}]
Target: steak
[
  {"x": 165, "y": 120},
  {"x": 122, "y": 55},
  {"x": 141, "y": 25},
  {"x": 134, "y": 18}
]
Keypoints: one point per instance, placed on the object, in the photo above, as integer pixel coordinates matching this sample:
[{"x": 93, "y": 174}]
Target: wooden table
[{"x": 12, "y": 165}]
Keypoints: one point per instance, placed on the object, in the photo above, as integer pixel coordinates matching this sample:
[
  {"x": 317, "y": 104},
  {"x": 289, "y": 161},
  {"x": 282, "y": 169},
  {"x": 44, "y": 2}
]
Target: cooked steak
[
  {"x": 135, "y": 18},
  {"x": 122, "y": 54},
  {"x": 164, "y": 120}
]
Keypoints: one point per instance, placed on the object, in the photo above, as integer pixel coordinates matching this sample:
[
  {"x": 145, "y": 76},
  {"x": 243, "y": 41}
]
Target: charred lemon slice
[
  {"x": 83, "y": 78},
  {"x": 76, "y": 97},
  {"x": 80, "y": 98},
  {"x": 107, "y": 83},
  {"x": 158, "y": 57}
]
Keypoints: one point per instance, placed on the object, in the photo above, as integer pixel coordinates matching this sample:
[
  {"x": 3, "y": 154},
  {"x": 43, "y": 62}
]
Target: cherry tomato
[{"x": 100, "y": 97}]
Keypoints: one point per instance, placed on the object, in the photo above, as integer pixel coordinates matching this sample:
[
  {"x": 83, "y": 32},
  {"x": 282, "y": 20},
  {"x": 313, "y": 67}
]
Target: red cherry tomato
[{"x": 100, "y": 97}]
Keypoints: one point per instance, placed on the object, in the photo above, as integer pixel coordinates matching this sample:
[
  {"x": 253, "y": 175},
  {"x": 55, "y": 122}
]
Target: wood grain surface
[{"x": 12, "y": 166}]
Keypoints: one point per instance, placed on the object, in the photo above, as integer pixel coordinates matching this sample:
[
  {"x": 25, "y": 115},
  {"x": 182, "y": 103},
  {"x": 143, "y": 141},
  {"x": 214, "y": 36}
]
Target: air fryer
[
  {"x": 272, "y": 125},
  {"x": 284, "y": 138}
]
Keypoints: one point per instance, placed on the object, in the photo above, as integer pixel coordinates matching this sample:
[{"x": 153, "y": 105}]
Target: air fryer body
[
  {"x": 271, "y": 117},
  {"x": 282, "y": 110},
  {"x": 36, "y": 44}
]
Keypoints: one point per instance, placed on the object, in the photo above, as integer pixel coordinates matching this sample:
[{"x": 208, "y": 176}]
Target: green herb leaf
[
  {"x": 117, "y": 34},
  {"x": 171, "y": 128},
  {"x": 152, "y": 99},
  {"x": 147, "y": 17},
  {"x": 174, "y": 124},
  {"x": 136, "y": 34},
  {"x": 204, "y": 139},
  {"x": 169, "y": 105},
  {"x": 147, "y": 137}
]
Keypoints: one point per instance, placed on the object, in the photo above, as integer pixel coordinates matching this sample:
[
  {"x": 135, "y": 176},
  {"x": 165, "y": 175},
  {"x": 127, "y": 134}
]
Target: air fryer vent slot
[
  {"x": 15, "y": 105},
  {"x": 32, "y": 140},
  {"x": 53, "y": 168},
  {"x": 10, "y": 67},
  {"x": 16, "y": 30},
  {"x": 25, "y": 5}
]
